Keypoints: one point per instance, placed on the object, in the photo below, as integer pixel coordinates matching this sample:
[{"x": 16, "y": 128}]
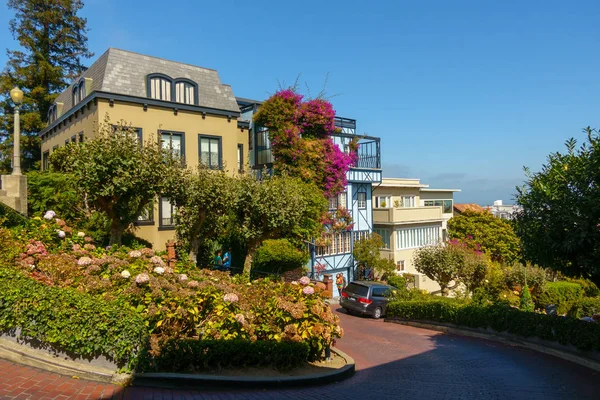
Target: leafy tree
[
  {"x": 52, "y": 41},
  {"x": 205, "y": 201},
  {"x": 559, "y": 222},
  {"x": 494, "y": 236},
  {"x": 474, "y": 269},
  {"x": 54, "y": 191},
  {"x": 367, "y": 252},
  {"x": 116, "y": 174},
  {"x": 440, "y": 264},
  {"x": 275, "y": 207}
]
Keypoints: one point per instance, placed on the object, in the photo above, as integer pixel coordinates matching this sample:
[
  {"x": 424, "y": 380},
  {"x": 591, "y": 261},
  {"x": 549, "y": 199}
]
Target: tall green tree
[
  {"x": 205, "y": 202},
  {"x": 559, "y": 225},
  {"x": 275, "y": 207},
  {"x": 482, "y": 231},
  {"x": 52, "y": 43},
  {"x": 116, "y": 174}
]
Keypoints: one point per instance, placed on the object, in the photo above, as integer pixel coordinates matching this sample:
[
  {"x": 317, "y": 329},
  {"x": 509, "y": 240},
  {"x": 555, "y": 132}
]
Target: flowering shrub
[
  {"x": 179, "y": 302},
  {"x": 176, "y": 302},
  {"x": 300, "y": 133}
]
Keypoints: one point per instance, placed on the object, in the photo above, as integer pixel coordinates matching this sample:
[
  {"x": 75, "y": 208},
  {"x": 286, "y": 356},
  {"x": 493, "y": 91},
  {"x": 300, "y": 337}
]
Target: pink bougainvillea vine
[{"x": 301, "y": 140}]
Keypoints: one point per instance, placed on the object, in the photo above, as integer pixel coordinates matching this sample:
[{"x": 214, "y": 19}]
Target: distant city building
[{"x": 504, "y": 211}]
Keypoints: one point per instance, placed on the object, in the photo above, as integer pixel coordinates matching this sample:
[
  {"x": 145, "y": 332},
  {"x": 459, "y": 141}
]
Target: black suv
[{"x": 365, "y": 297}]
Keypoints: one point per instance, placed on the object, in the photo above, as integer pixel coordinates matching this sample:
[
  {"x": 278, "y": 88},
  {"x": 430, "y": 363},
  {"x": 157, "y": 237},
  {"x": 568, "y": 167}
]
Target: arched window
[
  {"x": 51, "y": 118},
  {"x": 159, "y": 87},
  {"x": 82, "y": 93},
  {"x": 76, "y": 98},
  {"x": 186, "y": 91}
]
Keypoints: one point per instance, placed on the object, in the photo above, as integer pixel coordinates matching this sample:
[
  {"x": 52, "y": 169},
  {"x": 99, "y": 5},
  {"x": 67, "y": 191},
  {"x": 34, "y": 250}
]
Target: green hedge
[
  {"x": 563, "y": 294},
  {"x": 68, "y": 320},
  {"x": 501, "y": 318},
  {"x": 585, "y": 307},
  {"x": 208, "y": 355},
  {"x": 278, "y": 256}
]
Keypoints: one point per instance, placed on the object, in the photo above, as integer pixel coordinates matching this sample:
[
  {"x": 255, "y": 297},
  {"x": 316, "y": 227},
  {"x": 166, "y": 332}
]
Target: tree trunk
[
  {"x": 116, "y": 232},
  {"x": 193, "y": 254},
  {"x": 252, "y": 246}
]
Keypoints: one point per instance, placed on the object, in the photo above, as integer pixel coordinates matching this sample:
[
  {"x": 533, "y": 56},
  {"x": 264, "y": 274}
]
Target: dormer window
[
  {"x": 82, "y": 93},
  {"x": 76, "y": 97},
  {"x": 160, "y": 87},
  {"x": 52, "y": 114},
  {"x": 180, "y": 90},
  {"x": 185, "y": 91}
]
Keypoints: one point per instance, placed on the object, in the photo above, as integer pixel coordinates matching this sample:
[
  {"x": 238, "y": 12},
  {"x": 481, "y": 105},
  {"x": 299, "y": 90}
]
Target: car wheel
[
  {"x": 377, "y": 313},
  {"x": 348, "y": 311}
]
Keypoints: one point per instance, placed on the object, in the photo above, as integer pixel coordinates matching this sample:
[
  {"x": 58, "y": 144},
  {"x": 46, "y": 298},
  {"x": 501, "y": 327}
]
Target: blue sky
[{"x": 462, "y": 93}]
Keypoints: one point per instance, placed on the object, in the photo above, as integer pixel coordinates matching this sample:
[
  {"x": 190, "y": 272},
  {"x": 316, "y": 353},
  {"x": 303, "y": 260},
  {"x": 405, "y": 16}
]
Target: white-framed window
[
  {"x": 210, "y": 151},
  {"x": 400, "y": 265},
  {"x": 408, "y": 201},
  {"x": 338, "y": 201},
  {"x": 333, "y": 203},
  {"x": 385, "y": 237},
  {"x": 343, "y": 200},
  {"x": 410, "y": 238},
  {"x": 361, "y": 198},
  {"x": 383, "y": 202},
  {"x": 185, "y": 92}
]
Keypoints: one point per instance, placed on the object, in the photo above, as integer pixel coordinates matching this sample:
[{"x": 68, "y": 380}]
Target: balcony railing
[
  {"x": 369, "y": 149},
  {"x": 369, "y": 154},
  {"x": 399, "y": 215}
]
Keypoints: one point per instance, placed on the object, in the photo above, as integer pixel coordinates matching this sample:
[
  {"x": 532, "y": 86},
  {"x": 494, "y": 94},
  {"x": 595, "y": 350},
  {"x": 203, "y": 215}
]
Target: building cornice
[{"x": 143, "y": 101}]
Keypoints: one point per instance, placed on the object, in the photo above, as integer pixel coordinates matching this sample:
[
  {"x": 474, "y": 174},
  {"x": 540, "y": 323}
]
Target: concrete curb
[
  {"x": 503, "y": 338},
  {"x": 172, "y": 380},
  {"x": 24, "y": 355}
]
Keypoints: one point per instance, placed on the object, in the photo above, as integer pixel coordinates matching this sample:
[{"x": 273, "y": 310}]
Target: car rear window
[
  {"x": 381, "y": 291},
  {"x": 357, "y": 289}
]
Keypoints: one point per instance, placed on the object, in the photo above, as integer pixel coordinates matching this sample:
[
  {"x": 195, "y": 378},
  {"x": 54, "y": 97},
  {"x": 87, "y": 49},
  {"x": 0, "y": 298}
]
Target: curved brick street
[{"x": 393, "y": 362}]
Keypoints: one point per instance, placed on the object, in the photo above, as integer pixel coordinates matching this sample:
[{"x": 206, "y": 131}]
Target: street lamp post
[{"x": 17, "y": 97}]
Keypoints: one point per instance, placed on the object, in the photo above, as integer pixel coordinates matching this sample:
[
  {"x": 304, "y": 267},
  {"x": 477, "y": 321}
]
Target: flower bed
[
  {"x": 566, "y": 331},
  {"x": 176, "y": 302}
]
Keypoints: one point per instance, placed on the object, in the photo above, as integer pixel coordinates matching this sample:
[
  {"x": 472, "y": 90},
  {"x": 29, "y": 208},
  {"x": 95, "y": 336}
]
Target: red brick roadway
[{"x": 393, "y": 362}]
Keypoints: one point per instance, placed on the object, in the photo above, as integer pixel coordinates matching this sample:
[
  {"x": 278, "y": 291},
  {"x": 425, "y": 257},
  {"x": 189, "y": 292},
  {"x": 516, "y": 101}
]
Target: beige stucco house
[
  {"x": 408, "y": 215},
  {"x": 184, "y": 106}
]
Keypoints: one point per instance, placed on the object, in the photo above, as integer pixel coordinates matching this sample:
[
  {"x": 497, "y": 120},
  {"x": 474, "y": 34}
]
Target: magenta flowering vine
[{"x": 301, "y": 140}]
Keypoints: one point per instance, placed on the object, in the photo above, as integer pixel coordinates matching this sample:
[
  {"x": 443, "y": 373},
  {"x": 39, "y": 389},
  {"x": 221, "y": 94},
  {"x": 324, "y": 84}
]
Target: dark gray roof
[{"x": 124, "y": 72}]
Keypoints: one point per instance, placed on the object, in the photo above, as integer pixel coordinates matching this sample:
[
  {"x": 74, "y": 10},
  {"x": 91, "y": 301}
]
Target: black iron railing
[{"x": 369, "y": 154}]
